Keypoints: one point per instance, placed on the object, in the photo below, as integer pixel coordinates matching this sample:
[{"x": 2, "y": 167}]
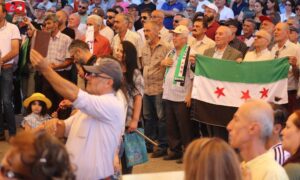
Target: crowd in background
[{"x": 148, "y": 39}]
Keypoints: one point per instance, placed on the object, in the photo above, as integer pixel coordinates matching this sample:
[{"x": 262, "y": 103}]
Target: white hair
[{"x": 96, "y": 19}]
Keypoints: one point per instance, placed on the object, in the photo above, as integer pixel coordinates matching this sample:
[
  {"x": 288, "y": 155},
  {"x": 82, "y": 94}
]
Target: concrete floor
[{"x": 152, "y": 166}]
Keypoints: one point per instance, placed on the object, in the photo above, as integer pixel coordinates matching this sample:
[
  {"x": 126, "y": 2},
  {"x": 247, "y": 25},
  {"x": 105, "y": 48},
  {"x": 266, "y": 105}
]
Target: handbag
[{"x": 135, "y": 148}]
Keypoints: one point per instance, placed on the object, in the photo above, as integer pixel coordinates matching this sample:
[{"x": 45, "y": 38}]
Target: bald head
[
  {"x": 281, "y": 33},
  {"x": 186, "y": 22},
  {"x": 158, "y": 17},
  {"x": 223, "y": 36},
  {"x": 62, "y": 17}
]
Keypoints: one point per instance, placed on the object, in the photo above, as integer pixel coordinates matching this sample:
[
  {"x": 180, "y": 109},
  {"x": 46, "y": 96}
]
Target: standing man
[
  {"x": 249, "y": 130},
  {"x": 158, "y": 17},
  {"x": 210, "y": 16},
  {"x": 224, "y": 12},
  {"x": 153, "y": 52},
  {"x": 145, "y": 17},
  {"x": 62, "y": 19},
  {"x": 9, "y": 48},
  {"x": 201, "y": 42},
  {"x": 82, "y": 10},
  {"x": 94, "y": 131},
  {"x": 57, "y": 56},
  {"x": 177, "y": 95},
  {"x": 285, "y": 48}
]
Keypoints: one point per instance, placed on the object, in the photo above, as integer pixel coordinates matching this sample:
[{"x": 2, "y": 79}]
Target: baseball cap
[
  {"x": 110, "y": 67},
  {"x": 181, "y": 29},
  {"x": 211, "y": 6},
  {"x": 264, "y": 34},
  {"x": 265, "y": 18}
]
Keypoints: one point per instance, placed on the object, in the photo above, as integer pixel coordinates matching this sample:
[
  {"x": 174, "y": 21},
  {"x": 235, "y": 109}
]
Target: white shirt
[
  {"x": 108, "y": 33},
  {"x": 8, "y": 33},
  {"x": 264, "y": 167},
  {"x": 201, "y": 46},
  {"x": 226, "y": 13},
  {"x": 288, "y": 49},
  {"x": 200, "y": 5},
  {"x": 261, "y": 56},
  {"x": 131, "y": 36},
  {"x": 94, "y": 133},
  {"x": 284, "y": 18},
  {"x": 142, "y": 34},
  {"x": 249, "y": 41}
]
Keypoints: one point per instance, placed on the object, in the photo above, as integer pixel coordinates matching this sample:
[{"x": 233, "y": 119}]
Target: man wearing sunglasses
[
  {"x": 94, "y": 131},
  {"x": 82, "y": 10}
]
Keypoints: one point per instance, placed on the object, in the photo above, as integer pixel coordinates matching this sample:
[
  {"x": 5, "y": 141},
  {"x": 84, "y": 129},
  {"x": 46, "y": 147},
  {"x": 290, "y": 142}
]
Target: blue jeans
[
  {"x": 7, "y": 108},
  {"x": 155, "y": 119}
]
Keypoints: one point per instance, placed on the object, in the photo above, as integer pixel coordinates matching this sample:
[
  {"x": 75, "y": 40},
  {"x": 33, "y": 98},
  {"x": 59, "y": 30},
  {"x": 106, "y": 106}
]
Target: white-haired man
[
  {"x": 101, "y": 44},
  {"x": 249, "y": 130}
]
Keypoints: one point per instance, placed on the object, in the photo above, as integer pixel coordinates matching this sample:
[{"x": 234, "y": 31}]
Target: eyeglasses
[
  {"x": 88, "y": 74},
  {"x": 176, "y": 21},
  {"x": 10, "y": 174},
  {"x": 297, "y": 9},
  {"x": 82, "y": 7},
  {"x": 110, "y": 17}
]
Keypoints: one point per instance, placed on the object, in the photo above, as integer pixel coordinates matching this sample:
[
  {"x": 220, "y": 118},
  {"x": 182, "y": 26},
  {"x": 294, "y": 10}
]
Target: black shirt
[{"x": 69, "y": 32}]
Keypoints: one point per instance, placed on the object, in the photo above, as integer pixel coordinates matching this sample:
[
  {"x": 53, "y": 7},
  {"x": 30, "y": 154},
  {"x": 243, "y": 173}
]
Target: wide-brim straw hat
[{"x": 37, "y": 97}]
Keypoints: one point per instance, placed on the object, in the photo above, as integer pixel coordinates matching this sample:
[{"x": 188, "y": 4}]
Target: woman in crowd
[
  {"x": 211, "y": 158},
  {"x": 289, "y": 10},
  {"x": 273, "y": 10},
  {"x": 134, "y": 90},
  {"x": 259, "y": 10},
  {"x": 36, "y": 155},
  {"x": 291, "y": 143}
]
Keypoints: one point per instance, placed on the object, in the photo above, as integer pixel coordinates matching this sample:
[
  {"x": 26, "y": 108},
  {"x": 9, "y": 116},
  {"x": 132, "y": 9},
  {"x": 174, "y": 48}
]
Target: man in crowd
[
  {"x": 201, "y": 42},
  {"x": 101, "y": 45},
  {"x": 177, "y": 95},
  {"x": 285, "y": 48},
  {"x": 249, "y": 27},
  {"x": 210, "y": 16},
  {"x": 9, "y": 49},
  {"x": 260, "y": 52},
  {"x": 249, "y": 130},
  {"x": 224, "y": 12},
  {"x": 124, "y": 34},
  {"x": 111, "y": 14},
  {"x": 158, "y": 17},
  {"x": 74, "y": 22},
  {"x": 145, "y": 17},
  {"x": 177, "y": 18},
  {"x": 170, "y": 8},
  {"x": 82, "y": 10},
  {"x": 153, "y": 52},
  {"x": 93, "y": 132},
  {"x": 135, "y": 14},
  {"x": 58, "y": 58},
  {"x": 39, "y": 14},
  {"x": 62, "y": 20},
  {"x": 237, "y": 44}
]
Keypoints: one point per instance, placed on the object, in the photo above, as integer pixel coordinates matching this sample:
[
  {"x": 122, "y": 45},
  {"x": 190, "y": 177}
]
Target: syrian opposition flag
[{"x": 221, "y": 86}]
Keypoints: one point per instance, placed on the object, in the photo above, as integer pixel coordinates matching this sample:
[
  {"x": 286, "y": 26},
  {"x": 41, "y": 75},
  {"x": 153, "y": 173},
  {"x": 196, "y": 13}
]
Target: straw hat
[{"x": 37, "y": 97}]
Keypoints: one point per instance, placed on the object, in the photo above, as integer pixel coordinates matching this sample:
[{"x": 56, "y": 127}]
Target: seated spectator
[
  {"x": 224, "y": 11},
  {"x": 249, "y": 130},
  {"x": 290, "y": 143},
  {"x": 273, "y": 10},
  {"x": 249, "y": 27},
  {"x": 274, "y": 143},
  {"x": 211, "y": 158},
  {"x": 74, "y": 23},
  {"x": 247, "y": 12},
  {"x": 36, "y": 155},
  {"x": 260, "y": 52},
  {"x": 259, "y": 11},
  {"x": 289, "y": 10}
]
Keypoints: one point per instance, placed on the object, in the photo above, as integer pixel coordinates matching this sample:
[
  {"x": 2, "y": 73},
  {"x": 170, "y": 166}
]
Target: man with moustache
[
  {"x": 82, "y": 10},
  {"x": 210, "y": 16},
  {"x": 154, "y": 51}
]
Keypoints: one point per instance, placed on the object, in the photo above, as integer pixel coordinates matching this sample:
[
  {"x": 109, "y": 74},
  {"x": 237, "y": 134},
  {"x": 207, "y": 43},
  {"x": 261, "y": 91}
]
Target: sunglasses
[
  {"x": 144, "y": 17},
  {"x": 10, "y": 174},
  {"x": 297, "y": 9},
  {"x": 110, "y": 17},
  {"x": 176, "y": 21},
  {"x": 88, "y": 74},
  {"x": 82, "y": 7}
]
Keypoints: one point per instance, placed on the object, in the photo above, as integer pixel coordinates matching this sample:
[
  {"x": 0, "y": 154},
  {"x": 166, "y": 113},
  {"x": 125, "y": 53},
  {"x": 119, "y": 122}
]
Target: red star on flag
[
  {"x": 245, "y": 95},
  {"x": 264, "y": 93},
  {"x": 219, "y": 92}
]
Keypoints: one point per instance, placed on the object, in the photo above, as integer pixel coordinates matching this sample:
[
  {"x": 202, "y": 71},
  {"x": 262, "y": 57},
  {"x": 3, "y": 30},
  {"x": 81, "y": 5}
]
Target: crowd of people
[{"x": 108, "y": 67}]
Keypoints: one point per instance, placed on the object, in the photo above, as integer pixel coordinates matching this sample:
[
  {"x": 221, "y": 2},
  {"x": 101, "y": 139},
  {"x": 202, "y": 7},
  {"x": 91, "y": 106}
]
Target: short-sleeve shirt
[
  {"x": 8, "y": 33},
  {"x": 168, "y": 21}
]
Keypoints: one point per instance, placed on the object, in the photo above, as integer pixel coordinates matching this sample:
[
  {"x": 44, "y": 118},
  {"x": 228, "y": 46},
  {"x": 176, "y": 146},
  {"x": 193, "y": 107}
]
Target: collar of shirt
[
  {"x": 261, "y": 52},
  {"x": 4, "y": 26},
  {"x": 286, "y": 44},
  {"x": 56, "y": 36}
]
